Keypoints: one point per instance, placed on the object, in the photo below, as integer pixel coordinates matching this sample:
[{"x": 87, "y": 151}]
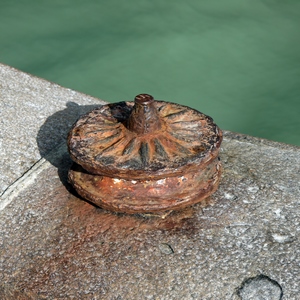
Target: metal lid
[{"x": 144, "y": 139}]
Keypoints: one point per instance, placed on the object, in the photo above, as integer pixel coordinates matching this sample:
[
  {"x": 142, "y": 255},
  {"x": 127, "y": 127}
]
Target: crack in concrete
[
  {"x": 28, "y": 178},
  {"x": 13, "y": 190}
]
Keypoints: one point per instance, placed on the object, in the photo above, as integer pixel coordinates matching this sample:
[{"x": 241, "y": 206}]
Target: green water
[{"x": 236, "y": 60}]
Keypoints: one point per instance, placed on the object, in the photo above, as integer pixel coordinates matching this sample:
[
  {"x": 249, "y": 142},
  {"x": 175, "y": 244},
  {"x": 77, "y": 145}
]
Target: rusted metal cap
[{"x": 144, "y": 156}]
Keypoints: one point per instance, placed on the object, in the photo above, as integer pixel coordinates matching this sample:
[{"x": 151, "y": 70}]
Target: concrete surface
[
  {"x": 242, "y": 243},
  {"x": 26, "y": 102}
]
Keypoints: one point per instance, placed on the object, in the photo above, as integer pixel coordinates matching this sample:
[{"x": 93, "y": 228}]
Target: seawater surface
[{"x": 237, "y": 61}]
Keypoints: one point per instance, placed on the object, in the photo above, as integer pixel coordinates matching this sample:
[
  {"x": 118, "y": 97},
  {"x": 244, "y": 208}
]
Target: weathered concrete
[
  {"x": 34, "y": 115},
  {"x": 242, "y": 243}
]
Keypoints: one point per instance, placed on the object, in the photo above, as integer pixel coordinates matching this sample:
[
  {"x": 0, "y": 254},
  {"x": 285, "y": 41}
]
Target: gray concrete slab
[
  {"x": 34, "y": 116},
  {"x": 241, "y": 243}
]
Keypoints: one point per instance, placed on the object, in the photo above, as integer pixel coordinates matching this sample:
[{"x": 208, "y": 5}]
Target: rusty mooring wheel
[{"x": 144, "y": 156}]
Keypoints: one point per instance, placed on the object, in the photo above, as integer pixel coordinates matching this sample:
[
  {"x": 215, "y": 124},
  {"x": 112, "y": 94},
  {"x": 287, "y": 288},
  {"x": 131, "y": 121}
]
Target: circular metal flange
[{"x": 134, "y": 155}]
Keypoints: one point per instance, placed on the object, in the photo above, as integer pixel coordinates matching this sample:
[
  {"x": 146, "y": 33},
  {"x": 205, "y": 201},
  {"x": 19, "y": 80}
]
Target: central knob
[
  {"x": 144, "y": 117},
  {"x": 143, "y": 98}
]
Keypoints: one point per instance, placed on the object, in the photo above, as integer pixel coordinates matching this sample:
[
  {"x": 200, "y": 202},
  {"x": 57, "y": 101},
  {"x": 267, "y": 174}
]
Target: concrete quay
[{"x": 241, "y": 243}]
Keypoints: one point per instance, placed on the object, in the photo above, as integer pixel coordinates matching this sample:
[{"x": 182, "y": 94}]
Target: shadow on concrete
[{"x": 52, "y": 137}]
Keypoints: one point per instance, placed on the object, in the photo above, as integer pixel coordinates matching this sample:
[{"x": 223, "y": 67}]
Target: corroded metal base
[{"x": 146, "y": 196}]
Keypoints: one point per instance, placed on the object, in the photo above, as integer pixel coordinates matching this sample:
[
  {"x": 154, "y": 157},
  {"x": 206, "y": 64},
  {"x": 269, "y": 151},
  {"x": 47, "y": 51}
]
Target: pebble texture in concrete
[
  {"x": 26, "y": 103},
  {"x": 260, "y": 287},
  {"x": 242, "y": 243}
]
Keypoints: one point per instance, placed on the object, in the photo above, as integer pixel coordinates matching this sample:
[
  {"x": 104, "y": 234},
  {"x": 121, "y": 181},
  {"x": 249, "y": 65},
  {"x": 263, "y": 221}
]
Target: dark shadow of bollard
[{"x": 52, "y": 137}]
